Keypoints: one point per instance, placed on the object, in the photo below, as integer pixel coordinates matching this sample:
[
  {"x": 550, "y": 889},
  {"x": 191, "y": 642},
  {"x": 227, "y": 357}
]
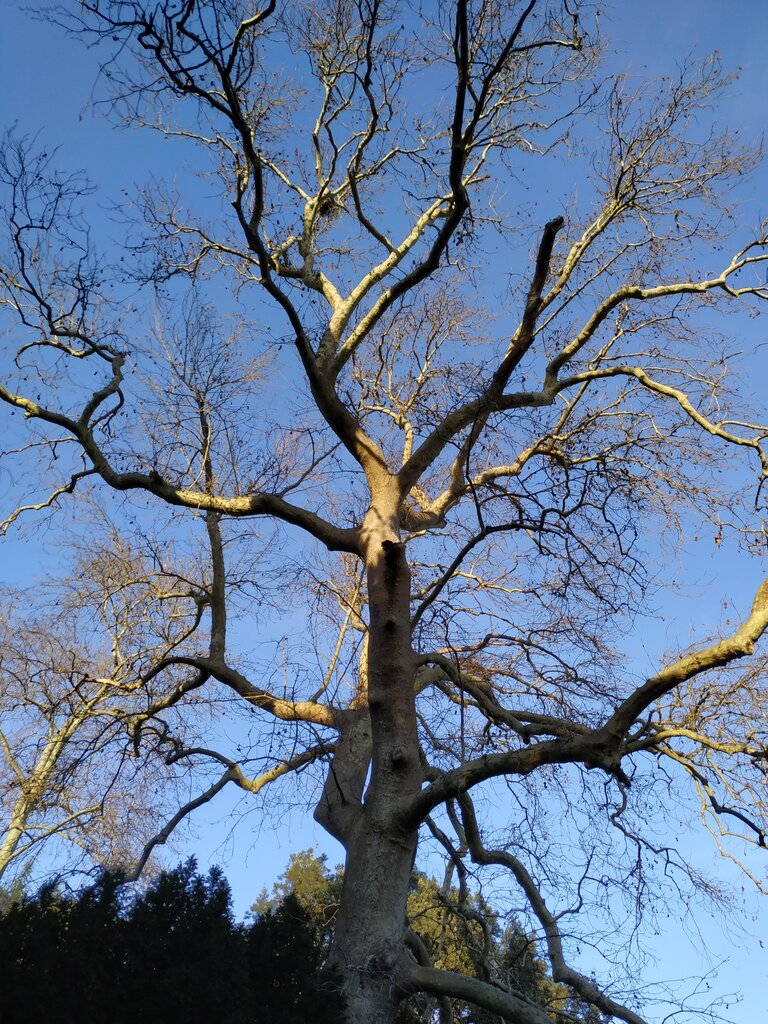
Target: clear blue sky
[{"x": 45, "y": 84}]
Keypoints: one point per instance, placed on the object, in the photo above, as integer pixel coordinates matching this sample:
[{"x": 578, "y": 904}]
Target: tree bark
[{"x": 368, "y": 944}]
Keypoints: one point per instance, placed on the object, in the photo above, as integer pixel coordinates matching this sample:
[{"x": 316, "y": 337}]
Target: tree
[
  {"x": 475, "y": 471},
  {"x": 175, "y": 948},
  {"x": 286, "y": 959},
  {"x": 59, "y": 955},
  {"x": 185, "y": 951},
  {"x": 71, "y": 659},
  {"x": 307, "y": 879}
]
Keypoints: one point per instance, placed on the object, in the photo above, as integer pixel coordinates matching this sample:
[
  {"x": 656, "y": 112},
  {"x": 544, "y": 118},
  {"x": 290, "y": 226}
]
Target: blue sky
[{"x": 45, "y": 84}]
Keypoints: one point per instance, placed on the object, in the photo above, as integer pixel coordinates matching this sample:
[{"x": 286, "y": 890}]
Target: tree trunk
[
  {"x": 14, "y": 833},
  {"x": 368, "y": 944}
]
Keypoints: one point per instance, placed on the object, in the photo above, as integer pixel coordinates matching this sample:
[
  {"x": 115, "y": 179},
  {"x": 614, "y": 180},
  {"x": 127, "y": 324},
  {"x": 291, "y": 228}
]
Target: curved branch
[
  {"x": 164, "y": 834},
  {"x": 235, "y": 774},
  {"x": 586, "y": 748},
  {"x": 52, "y": 498},
  {"x": 561, "y": 971},
  {"x": 417, "y": 946},
  {"x": 240, "y": 506},
  {"x": 458, "y": 986},
  {"x": 678, "y": 396},
  {"x": 288, "y": 710},
  {"x": 722, "y": 282}
]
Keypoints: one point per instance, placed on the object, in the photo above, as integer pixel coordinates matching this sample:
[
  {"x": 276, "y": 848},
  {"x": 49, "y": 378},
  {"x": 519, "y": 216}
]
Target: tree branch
[
  {"x": 739, "y": 644},
  {"x": 459, "y": 986},
  {"x": 561, "y": 971}
]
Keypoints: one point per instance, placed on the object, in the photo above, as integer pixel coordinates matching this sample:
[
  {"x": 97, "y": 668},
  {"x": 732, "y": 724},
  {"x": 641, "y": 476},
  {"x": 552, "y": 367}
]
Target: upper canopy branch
[
  {"x": 741, "y": 261},
  {"x": 474, "y": 414},
  {"x": 657, "y": 387},
  {"x": 474, "y": 108},
  {"x": 211, "y": 55},
  {"x": 477, "y": 412},
  {"x": 256, "y": 504}
]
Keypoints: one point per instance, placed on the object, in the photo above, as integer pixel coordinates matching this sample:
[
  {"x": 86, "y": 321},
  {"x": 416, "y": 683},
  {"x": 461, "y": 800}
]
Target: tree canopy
[{"x": 373, "y": 455}]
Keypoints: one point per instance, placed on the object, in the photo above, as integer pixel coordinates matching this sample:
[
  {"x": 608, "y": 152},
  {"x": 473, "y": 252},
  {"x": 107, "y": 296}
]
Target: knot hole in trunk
[{"x": 393, "y": 551}]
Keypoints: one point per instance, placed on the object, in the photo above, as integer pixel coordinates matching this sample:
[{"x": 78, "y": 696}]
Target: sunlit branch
[
  {"x": 738, "y": 645},
  {"x": 288, "y": 710},
  {"x": 630, "y": 292},
  {"x": 648, "y": 382},
  {"x": 233, "y": 773}
]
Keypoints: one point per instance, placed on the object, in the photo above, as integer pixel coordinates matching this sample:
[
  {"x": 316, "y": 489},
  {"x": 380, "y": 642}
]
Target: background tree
[
  {"x": 312, "y": 883},
  {"x": 60, "y": 954},
  {"x": 72, "y": 658},
  {"x": 286, "y": 960},
  {"x": 175, "y": 948},
  {"x": 477, "y": 467}
]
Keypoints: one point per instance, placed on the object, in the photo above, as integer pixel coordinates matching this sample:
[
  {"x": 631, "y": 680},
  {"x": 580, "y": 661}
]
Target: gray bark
[{"x": 368, "y": 943}]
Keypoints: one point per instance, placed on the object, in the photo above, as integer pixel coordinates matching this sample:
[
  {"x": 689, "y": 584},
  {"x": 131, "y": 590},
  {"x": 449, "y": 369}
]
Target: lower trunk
[{"x": 368, "y": 946}]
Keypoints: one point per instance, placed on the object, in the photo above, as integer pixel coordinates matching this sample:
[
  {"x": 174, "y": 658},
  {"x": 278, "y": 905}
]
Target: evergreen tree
[
  {"x": 61, "y": 956},
  {"x": 173, "y": 951},
  {"x": 316, "y": 887},
  {"x": 286, "y": 953},
  {"x": 184, "y": 954}
]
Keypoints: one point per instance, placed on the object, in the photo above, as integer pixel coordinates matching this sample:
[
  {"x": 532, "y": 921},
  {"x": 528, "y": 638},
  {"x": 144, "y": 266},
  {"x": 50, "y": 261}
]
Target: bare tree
[
  {"x": 479, "y": 470},
  {"x": 72, "y": 660}
]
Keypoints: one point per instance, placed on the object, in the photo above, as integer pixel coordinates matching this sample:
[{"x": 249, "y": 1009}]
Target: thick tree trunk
[{"x": 368, "y": 945}]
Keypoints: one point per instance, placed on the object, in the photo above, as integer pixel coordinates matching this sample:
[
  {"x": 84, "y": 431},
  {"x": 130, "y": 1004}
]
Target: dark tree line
[{"x": 173, "y": 951}]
